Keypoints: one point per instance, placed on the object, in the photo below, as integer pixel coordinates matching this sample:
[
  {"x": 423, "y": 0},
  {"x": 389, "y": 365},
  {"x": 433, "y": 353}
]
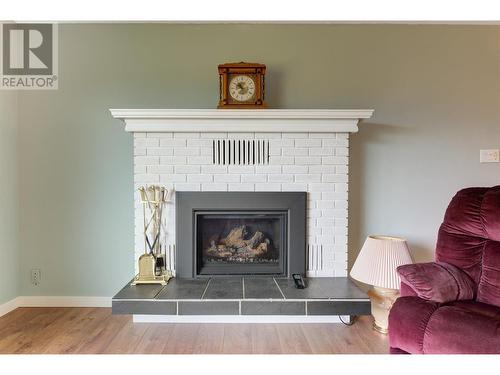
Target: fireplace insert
[
  {"x": 240, "y": 233},
  {"x": 249, "y": 242}
]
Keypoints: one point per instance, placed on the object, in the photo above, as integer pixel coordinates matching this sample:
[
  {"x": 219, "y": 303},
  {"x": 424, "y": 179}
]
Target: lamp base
[{"x": 381, "y": 301}]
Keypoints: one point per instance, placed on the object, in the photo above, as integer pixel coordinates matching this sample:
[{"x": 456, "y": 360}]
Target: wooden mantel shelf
[{"x": 241, "y": 120}]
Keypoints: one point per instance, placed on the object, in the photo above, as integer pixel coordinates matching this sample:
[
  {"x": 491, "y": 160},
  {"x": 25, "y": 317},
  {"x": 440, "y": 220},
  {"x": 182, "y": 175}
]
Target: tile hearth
[{"x": 240, "y": 296}]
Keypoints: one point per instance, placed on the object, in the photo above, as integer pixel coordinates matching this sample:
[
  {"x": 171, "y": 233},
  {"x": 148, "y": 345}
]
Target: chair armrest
[{"x": 437, "y": 281}]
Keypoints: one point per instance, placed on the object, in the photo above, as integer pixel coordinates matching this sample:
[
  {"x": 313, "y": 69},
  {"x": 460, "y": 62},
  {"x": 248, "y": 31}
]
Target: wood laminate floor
[{"x": 97, "y": 331}]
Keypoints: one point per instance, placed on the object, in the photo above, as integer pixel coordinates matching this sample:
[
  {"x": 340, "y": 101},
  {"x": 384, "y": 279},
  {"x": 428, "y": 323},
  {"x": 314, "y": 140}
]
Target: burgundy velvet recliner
[{"x": 452, "y": 305}]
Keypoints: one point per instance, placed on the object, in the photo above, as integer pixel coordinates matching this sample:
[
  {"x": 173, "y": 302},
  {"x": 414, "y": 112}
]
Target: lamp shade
[{"x": 378, "y": 259}]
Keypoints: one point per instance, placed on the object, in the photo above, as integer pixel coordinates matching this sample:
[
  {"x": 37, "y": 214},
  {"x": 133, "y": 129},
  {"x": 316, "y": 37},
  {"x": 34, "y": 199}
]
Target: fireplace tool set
[{"x": 152, "y": 264}]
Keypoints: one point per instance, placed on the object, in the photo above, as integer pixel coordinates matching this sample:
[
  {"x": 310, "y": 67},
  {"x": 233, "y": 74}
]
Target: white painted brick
[
  {"x": 172, "y": 160},
  {"x": 241, "y": 187},
  {"x": 267, "y": 135},
  {"x": 213, "y": 169},
  {"x": 160, "y": 151},
  {"x": 340, "y": 213},
  {"x": 341, "y": 204},
  {"x": 307, "y": 160},
  {"x": 254, "y": 178},
  {"x": 280, "y": 143},
  {"x": 307, "y": 178},
  {"x": 240, "y": 135},
  {"x": 138, "y": 169},
  {"x": 341, "y": 222},
  {"x": 173, "y": 177},
  {"x": 227, "y": 178},
  {"x": 160, "y": 135},
  {"x": 323, "y": 135},
  {"x": 268, "y": 169},
  {"x": 214, "y": 187},
  {"x": 187, "y": 187},
  {"x": 274, "y": 151},
  {"x": 199, "y": 160},
  {"x": 186, "y": 151},
  {"x": 140, "y": 135},
  {"x": 146, "y": 142},
  {"x": 206, "y": 151},
  {"x": 146, "y": 177},
  {"x": 186, "y": 135},
  {"x": 165, "y": 169},
  {"x": 321, "y": 151},
  {"x": 341, "y": 151},
  {"x": 295, "y": 169},
  {"x": 335, "y": 142},
  {"x": 242, "y": 169},
  {"x": 280, "y": 178},
  {"x": 268, "y": 187},
  {"x": 314, "y": 213},
  {"x": 322, "y": 169},
  {"x": 308, "y": 142},
  {"x": 280, "y": 160},
  {"x": 214, "y": 135},
  {"x": 340, "y": 239},
  {"x": 342, "y": 135},
  {"x": 139, "y": 151},
  {"x": 323, "y": 204},
  {"x": 334, "y": 160},
  {"x": 295, "y": 135},
  {"x": 187, "y": 169},
  {"x": 341, "y": 187},
  {"x": 334, "y": 196},
  {"x": 200, "y": 178},
  {"x": 199, "y": 143},
  {"x": 341, "y": 169},
  {"x": 321, "y": 187},
  {"x": 172, "y": 142},
  {"x": 325, "y": 222},
  {"x": 325, "y": 239},
  {"x": 294, "y": 151},
  {"x": 146, "y": 160},
  {"x": 293, "y": 187},
  {"x": 334, "y": 178}
]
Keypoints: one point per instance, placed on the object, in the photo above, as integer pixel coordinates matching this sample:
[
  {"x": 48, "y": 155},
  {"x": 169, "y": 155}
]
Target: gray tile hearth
[{"x": 244, "y": 296}]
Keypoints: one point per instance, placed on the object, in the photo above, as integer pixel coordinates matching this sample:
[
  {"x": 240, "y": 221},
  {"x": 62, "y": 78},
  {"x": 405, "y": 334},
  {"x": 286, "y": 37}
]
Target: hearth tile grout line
[
  {"x": 203, "y": 295},
  {"x": 243, "y": 284},
  {"x": 282, "y": 294}
]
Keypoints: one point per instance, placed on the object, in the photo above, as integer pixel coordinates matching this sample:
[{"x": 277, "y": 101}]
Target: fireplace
[{"x": 237, "y": 233}]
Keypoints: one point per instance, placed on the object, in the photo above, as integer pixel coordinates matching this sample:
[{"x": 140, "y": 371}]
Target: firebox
[{"x": 236, "y": 233}]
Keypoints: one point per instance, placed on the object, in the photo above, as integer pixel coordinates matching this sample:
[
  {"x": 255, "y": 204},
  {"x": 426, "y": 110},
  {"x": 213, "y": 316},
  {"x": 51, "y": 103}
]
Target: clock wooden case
[{"x": 241, "y": 85}]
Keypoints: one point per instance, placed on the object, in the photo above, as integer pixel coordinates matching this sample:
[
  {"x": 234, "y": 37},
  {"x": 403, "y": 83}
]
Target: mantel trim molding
[{"x": 241, "y": 120}]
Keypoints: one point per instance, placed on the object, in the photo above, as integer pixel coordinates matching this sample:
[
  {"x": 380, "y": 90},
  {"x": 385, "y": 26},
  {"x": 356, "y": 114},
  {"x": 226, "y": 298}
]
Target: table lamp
[{"x": 376, "y": 265}]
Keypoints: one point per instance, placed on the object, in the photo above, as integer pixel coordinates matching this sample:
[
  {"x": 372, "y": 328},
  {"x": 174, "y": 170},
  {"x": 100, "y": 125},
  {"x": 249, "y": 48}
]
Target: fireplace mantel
[{"x": 241, "y": 120}]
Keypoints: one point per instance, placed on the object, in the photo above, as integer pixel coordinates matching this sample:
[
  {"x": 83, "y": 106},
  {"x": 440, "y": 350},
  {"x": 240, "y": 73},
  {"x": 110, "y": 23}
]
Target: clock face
[{"x": 242, "y": 88}]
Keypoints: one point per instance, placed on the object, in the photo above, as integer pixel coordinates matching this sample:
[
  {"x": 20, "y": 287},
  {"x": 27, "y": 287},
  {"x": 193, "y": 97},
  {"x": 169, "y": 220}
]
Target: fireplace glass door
[{"x": 240, "y": 243}]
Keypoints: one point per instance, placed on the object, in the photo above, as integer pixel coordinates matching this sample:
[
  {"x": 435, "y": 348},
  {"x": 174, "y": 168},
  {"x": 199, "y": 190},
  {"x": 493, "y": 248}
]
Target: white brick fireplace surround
[{"x": 252, "y": 150}]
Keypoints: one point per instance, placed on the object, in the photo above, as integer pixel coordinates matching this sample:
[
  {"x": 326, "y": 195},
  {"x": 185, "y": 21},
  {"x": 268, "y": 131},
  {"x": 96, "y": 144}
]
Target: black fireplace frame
[{"x": 189, "y": 203}]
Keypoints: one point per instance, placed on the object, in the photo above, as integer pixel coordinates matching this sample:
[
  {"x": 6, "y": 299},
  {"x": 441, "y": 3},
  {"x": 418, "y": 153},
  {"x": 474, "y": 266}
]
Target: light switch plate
[{"x": 489, "y": 156}]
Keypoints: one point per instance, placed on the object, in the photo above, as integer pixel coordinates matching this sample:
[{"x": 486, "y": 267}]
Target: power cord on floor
[{"x": 353, "y": 320}]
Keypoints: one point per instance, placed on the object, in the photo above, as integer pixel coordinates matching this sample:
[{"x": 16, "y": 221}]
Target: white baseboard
[
  {"x": 54, "y": 301},
  {"x": 8, "y": 306},
  {"x": 240, "y": 319}
]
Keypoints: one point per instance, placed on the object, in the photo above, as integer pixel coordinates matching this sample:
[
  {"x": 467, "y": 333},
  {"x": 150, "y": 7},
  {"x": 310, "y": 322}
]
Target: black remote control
[{"x": 299, "y": 281}]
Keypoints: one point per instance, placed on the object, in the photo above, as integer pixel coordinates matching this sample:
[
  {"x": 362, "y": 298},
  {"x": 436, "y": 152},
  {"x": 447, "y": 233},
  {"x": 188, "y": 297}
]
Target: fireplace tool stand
[{"x": 152, "y": 266}]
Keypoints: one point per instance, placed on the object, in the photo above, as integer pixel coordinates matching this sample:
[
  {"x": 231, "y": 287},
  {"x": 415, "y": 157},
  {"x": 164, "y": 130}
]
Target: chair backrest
[{"x": 469, "y": 238}]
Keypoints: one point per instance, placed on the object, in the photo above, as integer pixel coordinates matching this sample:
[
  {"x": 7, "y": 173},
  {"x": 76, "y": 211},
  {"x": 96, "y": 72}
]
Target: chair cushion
[
  {"x": 459, "y": 330},
  {"x": 439, "y": 282}
]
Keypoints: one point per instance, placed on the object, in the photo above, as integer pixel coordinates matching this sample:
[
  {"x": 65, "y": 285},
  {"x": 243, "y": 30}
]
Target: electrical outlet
[
  {"x": 489, "y": 156},
  {"x": 35, "y": 276}
]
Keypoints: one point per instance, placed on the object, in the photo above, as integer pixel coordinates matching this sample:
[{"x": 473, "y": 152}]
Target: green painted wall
[
  {"x": 435, "y": 91},
  {"x": 9, "y": 249}
]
